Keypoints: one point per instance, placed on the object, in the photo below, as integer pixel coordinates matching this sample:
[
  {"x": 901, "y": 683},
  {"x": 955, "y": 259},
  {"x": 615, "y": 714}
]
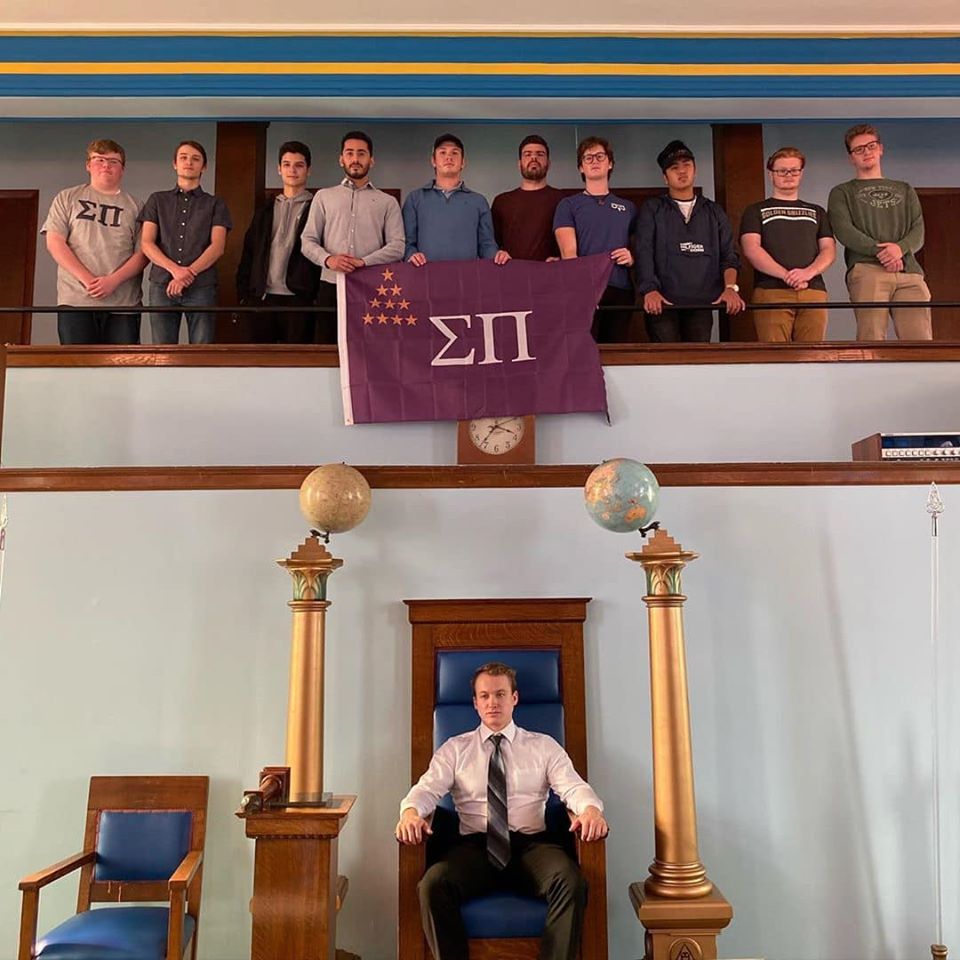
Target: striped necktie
[{"x": 498, "y": 836}]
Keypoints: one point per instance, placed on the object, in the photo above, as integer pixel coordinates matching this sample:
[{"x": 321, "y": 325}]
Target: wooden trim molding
[
  {"x": 210, "y": 355},
  {"x": 611, "y": 355},
  {"x": 792, "y": 474},
  {"x": 3, "y": 385}
]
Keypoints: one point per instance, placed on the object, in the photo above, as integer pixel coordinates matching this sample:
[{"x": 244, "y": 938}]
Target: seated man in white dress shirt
[{"x": 499, "y": 776}]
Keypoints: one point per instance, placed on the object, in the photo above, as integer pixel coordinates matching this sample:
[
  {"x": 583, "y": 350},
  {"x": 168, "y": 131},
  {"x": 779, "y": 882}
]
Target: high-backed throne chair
[
  {"x": 143, "y": 842},
  {"x": 543, "y": 641}
]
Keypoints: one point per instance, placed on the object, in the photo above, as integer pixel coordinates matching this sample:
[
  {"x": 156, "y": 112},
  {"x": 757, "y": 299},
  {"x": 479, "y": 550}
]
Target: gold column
[
  {"x": 677, "y": 903},
  {"x": 309, "y": 565}
]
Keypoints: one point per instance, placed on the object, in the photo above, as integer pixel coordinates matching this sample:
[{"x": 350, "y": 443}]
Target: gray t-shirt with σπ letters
[{"x": 102, "y": 231}]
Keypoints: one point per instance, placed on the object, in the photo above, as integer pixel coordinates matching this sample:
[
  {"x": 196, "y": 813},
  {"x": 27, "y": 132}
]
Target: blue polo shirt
[
  {"x": 602, "y": 224},
  {"x": 451, "y": 225}
]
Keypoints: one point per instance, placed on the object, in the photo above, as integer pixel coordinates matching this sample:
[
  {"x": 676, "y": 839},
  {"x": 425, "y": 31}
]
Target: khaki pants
[
  {"x": 869, "y": 281},
  {"x": 785, "y": 324}
]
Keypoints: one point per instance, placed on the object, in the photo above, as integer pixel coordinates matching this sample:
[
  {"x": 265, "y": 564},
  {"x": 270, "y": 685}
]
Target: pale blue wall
[{"x": 149, "y": 632}]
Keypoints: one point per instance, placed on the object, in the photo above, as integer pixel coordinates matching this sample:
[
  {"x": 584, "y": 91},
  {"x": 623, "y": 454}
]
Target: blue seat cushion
[
  {"x": 112, "y": 933},
  {"x": 141, "y": 845},
  {"x": 504, "y": 915}
]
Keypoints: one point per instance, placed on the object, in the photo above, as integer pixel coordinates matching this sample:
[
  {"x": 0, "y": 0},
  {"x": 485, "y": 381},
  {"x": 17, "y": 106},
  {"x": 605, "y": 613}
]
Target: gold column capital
[
  {"x": 310, "y": 565},
  {"x": 663, "y": 559}
]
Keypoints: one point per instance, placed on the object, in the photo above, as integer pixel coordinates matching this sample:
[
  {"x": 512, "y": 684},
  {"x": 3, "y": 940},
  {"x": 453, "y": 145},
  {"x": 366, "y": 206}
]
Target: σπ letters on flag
[{"x": 458, "y": 339}]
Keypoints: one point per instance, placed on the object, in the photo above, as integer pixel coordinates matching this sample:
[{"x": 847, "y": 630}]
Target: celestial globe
[
  {"x": 622, "y": 495},
  {"x": 334, "y": 498}
]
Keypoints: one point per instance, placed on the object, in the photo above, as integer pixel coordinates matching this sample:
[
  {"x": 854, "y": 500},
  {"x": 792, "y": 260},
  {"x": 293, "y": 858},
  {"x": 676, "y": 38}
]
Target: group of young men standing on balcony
[{"x": 680, "y": 245}]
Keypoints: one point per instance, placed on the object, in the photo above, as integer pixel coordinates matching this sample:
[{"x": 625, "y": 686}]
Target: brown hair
[
  {"x": 786, "y": 152},
  {"x": 584, "y": 145},
  {"x": 196, "y": 146},
  {"x": 496, "y": 669},
  {"x": 106, "y": 146},
  {"x": 858, "y": 131}
]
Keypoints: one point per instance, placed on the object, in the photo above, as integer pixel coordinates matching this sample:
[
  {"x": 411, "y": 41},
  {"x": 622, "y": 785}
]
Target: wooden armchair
[
  {"x": 543, "y": 640},
  {"x": 143, "y": 842}
]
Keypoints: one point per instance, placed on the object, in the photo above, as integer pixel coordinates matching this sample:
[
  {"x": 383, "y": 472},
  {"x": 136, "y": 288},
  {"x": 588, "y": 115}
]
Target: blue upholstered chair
[
  {"x": 545, "y": 672},
  {"x": 143, "y": 843}
]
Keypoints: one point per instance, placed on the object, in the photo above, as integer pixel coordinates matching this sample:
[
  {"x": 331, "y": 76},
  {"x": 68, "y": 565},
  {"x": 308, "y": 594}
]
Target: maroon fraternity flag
[{"x": 458, "y": 339}]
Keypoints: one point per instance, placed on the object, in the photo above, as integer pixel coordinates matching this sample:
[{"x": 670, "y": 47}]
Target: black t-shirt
[
  {"x": 523, "y": 222},
  {"x": 790, "y": 231}
]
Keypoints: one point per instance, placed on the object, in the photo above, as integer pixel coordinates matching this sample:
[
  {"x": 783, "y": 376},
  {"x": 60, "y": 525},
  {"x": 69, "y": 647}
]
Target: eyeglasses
[
  {"x": 594, "y": 157},
  {"x": 787, "y": 171},
  {"x": 864, "y": 147},
  {"x": 106, "y": 161}
]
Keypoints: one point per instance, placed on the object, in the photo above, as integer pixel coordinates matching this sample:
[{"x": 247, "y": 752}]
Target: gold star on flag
[
  {"x": 382, "y": 291},
  {"x": 411, "y": 321},
  {"x": 374, "y": 303},
  {"x": 397, "y": 321},
  {"x": 387, "y": 274},
  {"x": 367, "y": 318},
  {"x": 389, "y": 304},
  {"x": 382, "y": 318},
  {"x": 396, "y": 291},
  {"x": 403, "y": 305}
]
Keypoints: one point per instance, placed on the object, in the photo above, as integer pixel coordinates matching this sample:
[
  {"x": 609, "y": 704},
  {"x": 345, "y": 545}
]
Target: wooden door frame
[
  {"x": 26, "y": 320},
  {"x": 946, "y": 326}
]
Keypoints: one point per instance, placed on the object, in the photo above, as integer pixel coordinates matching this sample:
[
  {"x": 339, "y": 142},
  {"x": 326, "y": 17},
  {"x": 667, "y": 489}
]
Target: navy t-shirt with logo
[{"x": 602, "y": 224}]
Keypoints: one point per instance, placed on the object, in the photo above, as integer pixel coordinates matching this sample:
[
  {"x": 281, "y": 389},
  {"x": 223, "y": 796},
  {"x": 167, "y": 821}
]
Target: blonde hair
[{"x": 786, "y": 152}]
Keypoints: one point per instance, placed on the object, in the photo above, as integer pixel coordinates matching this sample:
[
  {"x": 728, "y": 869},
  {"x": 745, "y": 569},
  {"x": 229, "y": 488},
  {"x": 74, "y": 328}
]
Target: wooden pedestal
[
  {"x": 296, "y": 890},
  {"x": 678, "y": 929}
]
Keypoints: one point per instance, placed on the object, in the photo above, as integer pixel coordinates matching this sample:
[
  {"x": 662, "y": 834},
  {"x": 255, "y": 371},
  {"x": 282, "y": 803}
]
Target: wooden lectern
[{"x": 296, "y": 889}]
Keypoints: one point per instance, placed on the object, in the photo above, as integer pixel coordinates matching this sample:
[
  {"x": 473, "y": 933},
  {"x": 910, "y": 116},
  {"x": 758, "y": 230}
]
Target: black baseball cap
[
  {"x": 448, "y": 138},
  {"x": 673, "y": 152}
]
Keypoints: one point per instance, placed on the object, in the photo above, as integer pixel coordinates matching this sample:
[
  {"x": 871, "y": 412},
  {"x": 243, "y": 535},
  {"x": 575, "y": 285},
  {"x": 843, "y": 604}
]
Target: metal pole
[
  {"x": 3, "y": 536},
  {"x": 935, "y": 508}
]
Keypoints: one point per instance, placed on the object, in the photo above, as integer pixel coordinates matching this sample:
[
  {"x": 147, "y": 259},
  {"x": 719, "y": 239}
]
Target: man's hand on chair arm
[
  {"x": 591, "y": 824},
  {"x": 412, "y": 828}
]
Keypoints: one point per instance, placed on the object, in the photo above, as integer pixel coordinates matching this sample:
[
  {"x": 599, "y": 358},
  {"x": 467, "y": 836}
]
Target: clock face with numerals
[{"x": 496, "y": 436}]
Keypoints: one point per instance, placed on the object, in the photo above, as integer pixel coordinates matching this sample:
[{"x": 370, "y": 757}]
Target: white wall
[
  {"x": 150, "y": 633},
  {"x": 665, "y": 414},
  {"x": 500, "y": 15}
]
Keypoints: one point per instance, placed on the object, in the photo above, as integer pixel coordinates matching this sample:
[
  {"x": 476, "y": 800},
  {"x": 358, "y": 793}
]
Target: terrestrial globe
[{"x": 622, "y": 495}]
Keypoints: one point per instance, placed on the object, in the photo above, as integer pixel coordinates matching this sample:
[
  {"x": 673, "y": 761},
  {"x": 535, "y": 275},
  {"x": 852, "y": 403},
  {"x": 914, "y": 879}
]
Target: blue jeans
[
  {"x": 98, "y": 326},
  {"x": 165, "y": 327}
]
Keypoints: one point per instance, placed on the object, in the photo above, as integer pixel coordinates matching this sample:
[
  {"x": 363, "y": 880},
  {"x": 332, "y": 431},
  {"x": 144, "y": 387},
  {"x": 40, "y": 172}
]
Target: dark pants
[
  {"x": 675, "y": 326},
  {"x": 537, "y": 868},
  {"x": 613, "y": 326},
  {"x": 327, "y": 322},
  {"x": 283, "y": 327},
  {"x": 98, "y": 326}
]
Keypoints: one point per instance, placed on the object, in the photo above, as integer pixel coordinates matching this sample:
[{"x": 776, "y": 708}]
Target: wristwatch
[{"x": 735, "y": 287}]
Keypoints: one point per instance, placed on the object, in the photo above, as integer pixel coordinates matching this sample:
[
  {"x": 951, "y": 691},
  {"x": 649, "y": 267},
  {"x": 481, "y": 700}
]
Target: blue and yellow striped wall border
[{"x": 515, "y": 65}]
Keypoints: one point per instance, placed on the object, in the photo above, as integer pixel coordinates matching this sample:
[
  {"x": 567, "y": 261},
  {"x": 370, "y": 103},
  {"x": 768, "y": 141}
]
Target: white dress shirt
[{"x": 534, "y": 763}]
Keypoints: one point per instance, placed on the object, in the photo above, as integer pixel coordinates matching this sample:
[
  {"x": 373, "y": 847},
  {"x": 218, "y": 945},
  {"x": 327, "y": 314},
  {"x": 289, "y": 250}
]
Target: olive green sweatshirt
[{"x": 867, "y": 212}]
